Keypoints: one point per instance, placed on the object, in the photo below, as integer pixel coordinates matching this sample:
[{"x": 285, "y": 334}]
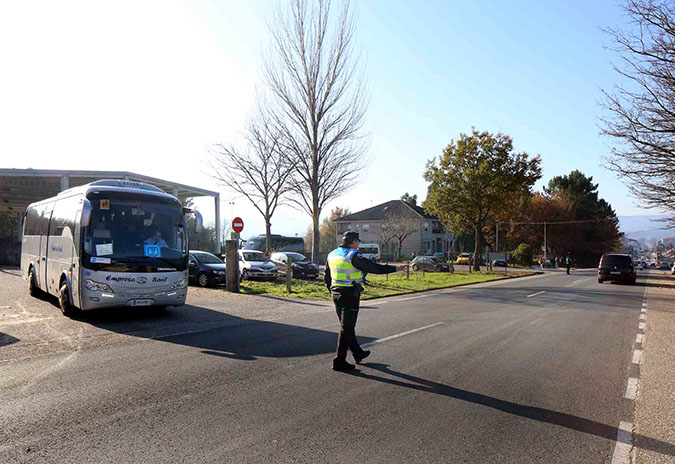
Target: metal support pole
[
  {"x": 497, "y": 240},
  {"x": 218, "y": 237},
  {"x": 544, "y": 244}
]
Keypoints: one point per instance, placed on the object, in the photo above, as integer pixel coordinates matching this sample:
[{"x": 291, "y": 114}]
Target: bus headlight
[
  {"x": 182, "y": 284},
  {"x": 96, "y": 286}
]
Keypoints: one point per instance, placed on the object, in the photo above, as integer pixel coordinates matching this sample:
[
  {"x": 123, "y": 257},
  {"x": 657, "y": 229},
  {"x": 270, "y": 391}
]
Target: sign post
[{"x": 232, "y": 256}]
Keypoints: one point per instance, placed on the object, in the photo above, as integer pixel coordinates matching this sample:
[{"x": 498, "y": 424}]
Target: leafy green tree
[
  {"x": 411, "y": 199},
  {"x": 523, "y": 254},
  {"x": 587, "y": 241},
  {"x": 476, "y": 178}
]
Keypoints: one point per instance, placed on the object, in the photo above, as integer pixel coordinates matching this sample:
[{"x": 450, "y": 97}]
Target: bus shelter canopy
[{"x": 21, "y": 187}]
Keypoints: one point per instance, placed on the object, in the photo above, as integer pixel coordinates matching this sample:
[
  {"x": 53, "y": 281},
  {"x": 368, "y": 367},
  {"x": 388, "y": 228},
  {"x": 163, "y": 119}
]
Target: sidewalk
[{"x": 655, "y": 404}]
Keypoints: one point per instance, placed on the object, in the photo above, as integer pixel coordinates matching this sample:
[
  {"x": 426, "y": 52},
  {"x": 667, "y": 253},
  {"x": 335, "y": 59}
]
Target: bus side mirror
[{"x": 86, "y": 213}]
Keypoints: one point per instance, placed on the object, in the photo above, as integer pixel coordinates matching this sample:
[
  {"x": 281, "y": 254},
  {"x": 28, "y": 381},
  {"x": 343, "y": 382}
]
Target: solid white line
[
  {"x": 637, "y": 357},
  {"x": 624, "y": 438},
  {"x": 631, "y": 388},
  {"x": 641, "y": 326},
  {"x": 535, "y": 294},
  {"x": 639, "y": 338},
  {"x": 410, "y": 298},
  {"x": 391, "y": 337}
]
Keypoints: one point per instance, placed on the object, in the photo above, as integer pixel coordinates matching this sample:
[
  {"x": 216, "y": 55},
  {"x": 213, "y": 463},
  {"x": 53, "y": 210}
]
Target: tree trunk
[
  {"x": 316, "y": 237},
  {"x": 476, "y": 251},
  {"x": 400, "y": 245},
  {"x": 268, "y": 232}
]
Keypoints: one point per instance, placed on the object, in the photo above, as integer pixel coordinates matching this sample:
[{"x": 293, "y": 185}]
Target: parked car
[
  {"x": 256, "y": 265},
  {"x": 430, "y": 264},
  {"x": 303, "y": 268},
  {"x": 464, "y": 258},
  {"x": 499, "y": 263},
  {"x": 206, "y": 269},
  {"x": 617, "y": 268}
]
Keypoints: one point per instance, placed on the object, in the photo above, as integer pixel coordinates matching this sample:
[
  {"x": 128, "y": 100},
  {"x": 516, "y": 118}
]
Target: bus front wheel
[
  {"x": 67, "y": 308},
  {"x": 32, "y": 288}
]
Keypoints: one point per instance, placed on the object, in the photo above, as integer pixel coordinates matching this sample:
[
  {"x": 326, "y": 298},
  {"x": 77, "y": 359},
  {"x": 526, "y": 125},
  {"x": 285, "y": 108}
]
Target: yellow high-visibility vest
[{"x": 342, "y": 271}]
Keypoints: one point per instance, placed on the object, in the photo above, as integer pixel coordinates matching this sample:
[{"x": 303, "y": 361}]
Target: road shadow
[
  {"x": 569, "y": 421},
  {"x": 6, "y": 340},
  {"x": 217, "y": 333}
]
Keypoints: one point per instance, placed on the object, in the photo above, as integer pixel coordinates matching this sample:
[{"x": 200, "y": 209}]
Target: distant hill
[{"x": 644, "y": 227}]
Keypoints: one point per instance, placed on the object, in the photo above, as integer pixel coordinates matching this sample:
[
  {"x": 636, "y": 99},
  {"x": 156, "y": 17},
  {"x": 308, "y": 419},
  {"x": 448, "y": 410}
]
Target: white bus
[{"x": 107, "y": 243}]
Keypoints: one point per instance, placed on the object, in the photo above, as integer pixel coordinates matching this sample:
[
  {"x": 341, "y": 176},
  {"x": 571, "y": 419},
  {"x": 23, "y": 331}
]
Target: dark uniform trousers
[{"x": 347, "y": 309}]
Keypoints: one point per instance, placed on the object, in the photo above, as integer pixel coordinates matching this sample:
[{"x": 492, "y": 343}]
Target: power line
[{"x": 580, "y": 221}]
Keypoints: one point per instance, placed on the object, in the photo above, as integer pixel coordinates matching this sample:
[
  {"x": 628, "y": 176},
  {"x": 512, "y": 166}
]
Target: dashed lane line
[
  {"x": 631, "y": 388},
  {"x": 637, "y": 357},
  {"x": 535, "y": 294},
  {"x": 402, "y": 334},
  {"x": 623, "y": 443}
]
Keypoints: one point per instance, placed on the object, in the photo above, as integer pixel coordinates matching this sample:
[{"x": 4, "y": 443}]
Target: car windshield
[
  {"x": 436, "y": 260},
  {"x": 126, "y": 229},
  {"x": 296, "y": 257},
  {"x": 251, "y": 256},
  {"x": 207, "y": 258},
  {"x": 368, "y": 250}
]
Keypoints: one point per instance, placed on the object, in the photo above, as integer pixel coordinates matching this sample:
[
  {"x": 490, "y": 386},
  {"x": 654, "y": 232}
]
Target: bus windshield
[{"x": 128, "y": 230}]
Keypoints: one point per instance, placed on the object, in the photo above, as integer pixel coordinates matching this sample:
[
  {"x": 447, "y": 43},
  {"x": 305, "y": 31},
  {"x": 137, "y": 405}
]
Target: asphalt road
[{"x": 525, "y": 370}]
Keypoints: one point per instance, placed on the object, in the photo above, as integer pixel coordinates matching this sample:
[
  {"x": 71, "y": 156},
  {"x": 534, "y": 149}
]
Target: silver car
[{"x": 256, "y": 265}]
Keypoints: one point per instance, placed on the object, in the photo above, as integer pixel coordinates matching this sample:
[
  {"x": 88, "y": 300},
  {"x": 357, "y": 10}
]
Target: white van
[{"x": 370, "y": 251}]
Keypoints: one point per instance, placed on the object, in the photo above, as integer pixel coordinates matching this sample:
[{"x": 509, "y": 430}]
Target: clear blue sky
[{"x": 147, "y": 86}]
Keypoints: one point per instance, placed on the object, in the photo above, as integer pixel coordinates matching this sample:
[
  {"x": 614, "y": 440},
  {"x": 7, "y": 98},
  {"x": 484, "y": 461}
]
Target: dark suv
[{"x": 616, "y": 267}]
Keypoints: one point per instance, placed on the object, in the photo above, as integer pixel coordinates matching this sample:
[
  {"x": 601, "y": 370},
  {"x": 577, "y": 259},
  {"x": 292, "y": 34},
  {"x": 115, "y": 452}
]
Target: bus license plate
[{"x": 145, "y": 302}]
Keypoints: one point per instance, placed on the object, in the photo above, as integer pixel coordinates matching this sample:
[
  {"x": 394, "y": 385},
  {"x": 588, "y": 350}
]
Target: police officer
[
  {"x": 568, "y": 261},
  {"x": 344, "y": 279}
]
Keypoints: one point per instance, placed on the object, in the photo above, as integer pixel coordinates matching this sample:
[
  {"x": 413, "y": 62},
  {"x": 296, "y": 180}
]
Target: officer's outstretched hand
[{"x": 401, "y": 267}]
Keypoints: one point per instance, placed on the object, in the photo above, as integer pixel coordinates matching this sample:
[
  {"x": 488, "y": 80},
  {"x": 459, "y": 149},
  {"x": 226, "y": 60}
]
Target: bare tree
[
  {"x": 317, "y": 102},
  {"x": 642, "y": 112},
  {"x": 402, "y": 226},
  {"x": 260, "y": 172},
  {"x": 384, "y": 232}
]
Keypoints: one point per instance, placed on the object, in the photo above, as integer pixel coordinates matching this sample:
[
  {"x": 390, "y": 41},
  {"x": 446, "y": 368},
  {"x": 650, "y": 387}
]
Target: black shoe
[
  {"x": 360, "y": 357},
  {"x": 342, "y": 365}
]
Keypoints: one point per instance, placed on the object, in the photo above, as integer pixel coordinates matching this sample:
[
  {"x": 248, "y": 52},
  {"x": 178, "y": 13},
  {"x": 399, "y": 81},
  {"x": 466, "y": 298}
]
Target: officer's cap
[{"x": 349, "y": 236}]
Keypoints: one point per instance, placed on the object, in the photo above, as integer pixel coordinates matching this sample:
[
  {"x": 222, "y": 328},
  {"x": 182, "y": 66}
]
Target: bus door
[{"x": 46, "y": 215}]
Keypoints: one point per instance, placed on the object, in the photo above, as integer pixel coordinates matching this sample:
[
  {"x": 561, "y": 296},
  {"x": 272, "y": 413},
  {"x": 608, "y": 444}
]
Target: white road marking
[
  {"x": 644, "y": 311},
  {"x": 631, "y": 388},
  {"x": 391, "y": 337},
  {"x": 639, "y": 338},
  {"x": 641, "y": 326},
  {"x": 410, "y": 298},
  {"x": 535, "y": 294},
  {"x": 624, "y": 439},
  {"x": 5, "y": 307},
  {"x": 637, "y": 357},
  {"x": 577, "y": 281}
]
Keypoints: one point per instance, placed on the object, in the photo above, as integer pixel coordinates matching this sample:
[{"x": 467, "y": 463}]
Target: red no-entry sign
[{"x": 237, "y": 224}]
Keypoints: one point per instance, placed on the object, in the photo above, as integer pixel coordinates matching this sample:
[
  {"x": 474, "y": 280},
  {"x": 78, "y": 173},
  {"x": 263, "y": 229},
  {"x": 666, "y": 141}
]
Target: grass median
[{"x": 378, "y": 285}]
